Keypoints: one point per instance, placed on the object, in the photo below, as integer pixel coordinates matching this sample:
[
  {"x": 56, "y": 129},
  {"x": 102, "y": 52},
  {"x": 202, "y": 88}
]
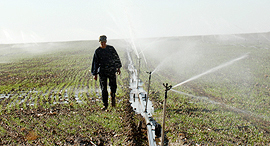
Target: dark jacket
[{"x": 105, "y": 61}]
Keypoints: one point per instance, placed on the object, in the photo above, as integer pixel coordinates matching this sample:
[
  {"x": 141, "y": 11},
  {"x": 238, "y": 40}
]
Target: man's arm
[
  {"x": 117, "y": 60},
  {"x": 95, "y": 66}
]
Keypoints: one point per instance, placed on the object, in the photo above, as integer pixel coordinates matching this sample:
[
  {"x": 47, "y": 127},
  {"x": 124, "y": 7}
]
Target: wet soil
[{"x": 40, "y": 126}]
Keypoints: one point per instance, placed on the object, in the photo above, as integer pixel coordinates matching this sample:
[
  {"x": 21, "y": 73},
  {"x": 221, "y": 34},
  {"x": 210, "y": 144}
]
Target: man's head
[
  {"x": 103, "y": 41},
  {"x": 103, "y": 38}
]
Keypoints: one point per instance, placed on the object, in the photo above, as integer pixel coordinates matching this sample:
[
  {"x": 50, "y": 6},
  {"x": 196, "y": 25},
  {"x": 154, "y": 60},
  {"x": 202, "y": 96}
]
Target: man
[{"x": 106, "y": 63}]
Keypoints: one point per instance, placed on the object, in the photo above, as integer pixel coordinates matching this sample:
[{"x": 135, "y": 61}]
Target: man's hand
[
  {"x": 95, "y": 77},
  {"x": 118, "y": 71}
]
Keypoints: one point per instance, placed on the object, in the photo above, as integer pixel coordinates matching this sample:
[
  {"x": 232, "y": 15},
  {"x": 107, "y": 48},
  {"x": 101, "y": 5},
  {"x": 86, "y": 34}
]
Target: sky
[{"x": 31, "y": 21}]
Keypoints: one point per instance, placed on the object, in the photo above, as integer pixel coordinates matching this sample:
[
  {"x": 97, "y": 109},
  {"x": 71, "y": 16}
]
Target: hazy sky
[{"x": 66, "y": 20}]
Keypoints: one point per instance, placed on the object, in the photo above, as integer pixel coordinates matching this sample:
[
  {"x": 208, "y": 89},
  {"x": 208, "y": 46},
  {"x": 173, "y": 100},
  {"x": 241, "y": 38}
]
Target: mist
[{"x": 227, "y": 68}]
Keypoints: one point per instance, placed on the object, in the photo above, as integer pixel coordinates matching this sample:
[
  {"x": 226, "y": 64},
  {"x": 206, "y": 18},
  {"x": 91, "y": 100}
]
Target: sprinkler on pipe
[
  {"x": 167, "y": 88},
  {"x": 146, "y": 98}
]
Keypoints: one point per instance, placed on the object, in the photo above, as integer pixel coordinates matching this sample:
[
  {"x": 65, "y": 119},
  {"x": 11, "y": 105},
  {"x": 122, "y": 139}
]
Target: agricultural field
[
  {"x": 48, "y": 97},
  {"x": 224, "y": 96}
]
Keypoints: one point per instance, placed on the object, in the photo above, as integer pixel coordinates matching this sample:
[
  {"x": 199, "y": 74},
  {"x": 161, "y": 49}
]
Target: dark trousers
[{"x": 103, "y": 79}]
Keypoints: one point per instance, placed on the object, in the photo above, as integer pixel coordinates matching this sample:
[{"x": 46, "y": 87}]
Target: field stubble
[
  {"x": 60, "y": 75},
  {"x": 49, "y": 98},
  {"x": 229, "y": 106}
]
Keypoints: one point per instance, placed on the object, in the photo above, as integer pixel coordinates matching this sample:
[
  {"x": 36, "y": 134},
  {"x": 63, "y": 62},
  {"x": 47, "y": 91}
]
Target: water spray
[
  {"x": 146, "y": 98},
  {"x": 167, "y": 88},
  {"x": 143, "y": 56},
  {"x": 212, "y": 70},
  {"x": 139, "y": 72}
]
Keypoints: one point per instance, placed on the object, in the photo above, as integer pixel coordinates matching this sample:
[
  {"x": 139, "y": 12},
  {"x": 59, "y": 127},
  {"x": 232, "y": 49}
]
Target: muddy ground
[{"x": 41, "y": 127}]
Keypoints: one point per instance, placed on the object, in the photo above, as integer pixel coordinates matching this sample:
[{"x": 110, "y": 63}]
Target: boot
[{"x": 113, "y": 99}]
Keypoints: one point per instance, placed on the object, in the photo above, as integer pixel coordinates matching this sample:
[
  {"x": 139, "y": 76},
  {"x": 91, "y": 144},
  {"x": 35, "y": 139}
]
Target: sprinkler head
[{"x": 167, "y": 88}]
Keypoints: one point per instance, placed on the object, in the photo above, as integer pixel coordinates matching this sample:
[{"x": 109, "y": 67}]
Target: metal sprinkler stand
[
  {"x": 148, "y": 90},
  {"x": 167, "y": 88}
]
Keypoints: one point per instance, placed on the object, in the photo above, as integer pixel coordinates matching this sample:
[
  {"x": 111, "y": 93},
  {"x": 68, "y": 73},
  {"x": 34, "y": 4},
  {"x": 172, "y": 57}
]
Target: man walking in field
[{"x": 106, "y": 63}]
